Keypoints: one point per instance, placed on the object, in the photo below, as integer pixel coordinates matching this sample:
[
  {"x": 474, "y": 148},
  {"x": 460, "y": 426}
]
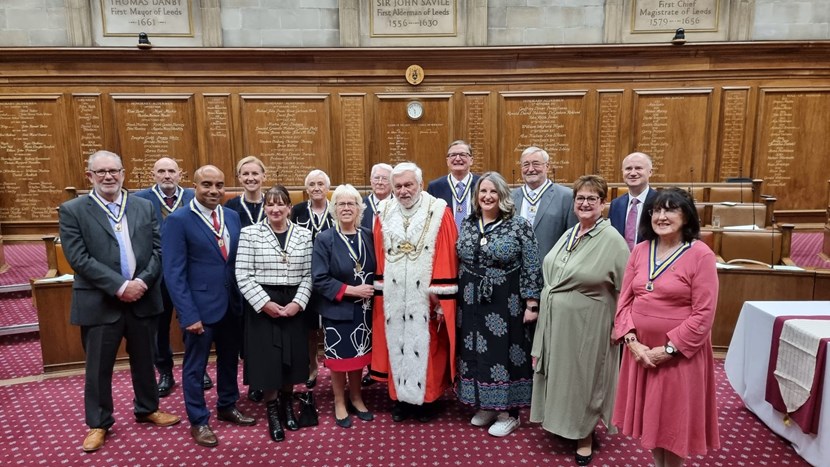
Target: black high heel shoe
[
  {"x": 366, "y": 416},
  {"x": 585, "y": 460}
]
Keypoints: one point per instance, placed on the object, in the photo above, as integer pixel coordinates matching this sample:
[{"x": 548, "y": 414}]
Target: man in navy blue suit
[
  {"x": 458, "y": 186},
  {"x": 198, "y": 254},
  {"x": 381, "y": 190},
  {"x": 627, "y": 210},
  {"x": 167, "y": 196}
]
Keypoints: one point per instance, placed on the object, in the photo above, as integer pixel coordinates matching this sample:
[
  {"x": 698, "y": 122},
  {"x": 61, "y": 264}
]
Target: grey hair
[
  {"x": 409, "y": 167},
  {"x": 534, "y": 150},
  {"x": 461, "y": 142},
  {"x": 382, "y": 166},
  {"x": 315, "y": 173},
  {"x": 347, "y": 191},
  {"x": 95, "y": 155}
]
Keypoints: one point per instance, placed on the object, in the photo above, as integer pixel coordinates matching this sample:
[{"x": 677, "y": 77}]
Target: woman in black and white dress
[
  {"x": 273, "y": 270},
  {"x": 314, "y": 215},
  {"x": 342, "y": 270}
]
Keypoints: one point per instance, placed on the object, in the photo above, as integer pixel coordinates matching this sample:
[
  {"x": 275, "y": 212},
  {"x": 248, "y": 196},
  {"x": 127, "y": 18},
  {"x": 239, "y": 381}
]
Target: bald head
[
  {"x": 167, "y": 175},
  {"x": 636, "y": 170},
  {"x": 209, "y": 182}
]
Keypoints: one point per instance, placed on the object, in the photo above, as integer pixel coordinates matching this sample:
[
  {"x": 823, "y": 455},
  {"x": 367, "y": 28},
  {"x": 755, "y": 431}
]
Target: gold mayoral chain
[
  {"x": 317, "y": 227},
  {"x": 116, "y": 218},
  {"x": 179, "y": 195},
  {"x": 485, "y": 229},
  {"x": 532, "y": 201},
  {"x": 654, "y": 271},
  {"x": 407, "y": 249},
  {"x": 283, "y": 250},
  {"x": 459, "y": 201},
  {"x": 356, "y": 257},
  {"x": 218, "y": 233},
  {"x": 260, "y": 213}
]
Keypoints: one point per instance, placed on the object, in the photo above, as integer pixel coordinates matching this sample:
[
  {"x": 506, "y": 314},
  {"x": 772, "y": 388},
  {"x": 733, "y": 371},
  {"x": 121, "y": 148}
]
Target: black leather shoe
[
  {"x": 274, "y": 426},
  {"x": 401, "y": 411},
  {"x": 255, "y": 395},
  {"x": 203, "y": 436},
  {"x": 233, "y": 415},
  {"x": 311, "y": 383},
  {"x": 366, "y": 416},
  {"x": 343, "y": 422},
  {"x": 367, "y": 381},
  {"x": 165, "y": 384},
  {"x": 207, "y": 383},
  {"x": 286, "y": 408},
  {"x": 428, "y": 411},
  {"x": 583, "y": 460}
]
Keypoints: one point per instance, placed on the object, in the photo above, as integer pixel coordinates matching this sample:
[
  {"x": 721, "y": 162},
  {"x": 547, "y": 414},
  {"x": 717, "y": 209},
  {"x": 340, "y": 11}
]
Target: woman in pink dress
[{"x": 666, "y": 390}]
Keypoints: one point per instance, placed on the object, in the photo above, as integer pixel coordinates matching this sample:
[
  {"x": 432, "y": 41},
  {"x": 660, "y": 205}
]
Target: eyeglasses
[
  {"x": 378, "y": 179},
  {"x": 588, "y": 199},
  {"x": 103, "y": 172},
  {"x": 534, "y": 164},
  {"x": 346, "y": 204},
  {"x": 453, "y": 155},
  {"x": 663, "y": 211}
]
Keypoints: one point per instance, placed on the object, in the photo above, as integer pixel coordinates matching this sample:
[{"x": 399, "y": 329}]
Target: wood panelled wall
[{"x": 705, "y": 112}]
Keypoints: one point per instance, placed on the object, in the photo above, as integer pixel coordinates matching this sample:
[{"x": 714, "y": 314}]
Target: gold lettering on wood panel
[
  {"x": 88, "y": 124},
  {"x": 423, "y": 142},
  {"x": 150, "y": 128},
  {"x": 608, "y": 160},
  {"x": 354, "y": 141},
  {"x": 220, "y": 146},
  {"x": 671, "y": 127},
  {"x": 551, "y": 122},
  {"x": 288, "y": 135},
  {"x": 793, "y": 147},
  {"x": 28, "y": 160},
  {"x": 733, "y": 132},
  {"x": 475, "y": 123}
]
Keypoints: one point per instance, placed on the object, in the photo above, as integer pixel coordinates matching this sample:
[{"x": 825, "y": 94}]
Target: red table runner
[{"x": 807, "y": 416}]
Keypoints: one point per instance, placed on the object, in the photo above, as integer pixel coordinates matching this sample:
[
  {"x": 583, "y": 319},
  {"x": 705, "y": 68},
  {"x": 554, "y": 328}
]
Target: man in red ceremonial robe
[{"x": 414, "y": 312}]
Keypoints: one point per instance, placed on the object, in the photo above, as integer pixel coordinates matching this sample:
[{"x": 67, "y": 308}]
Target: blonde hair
[{"x": 248, "y": 160}]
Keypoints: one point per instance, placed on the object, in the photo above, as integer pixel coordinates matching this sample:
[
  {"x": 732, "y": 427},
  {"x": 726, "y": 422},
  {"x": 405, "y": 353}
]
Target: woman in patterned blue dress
[{"x": 499, "y": 283}]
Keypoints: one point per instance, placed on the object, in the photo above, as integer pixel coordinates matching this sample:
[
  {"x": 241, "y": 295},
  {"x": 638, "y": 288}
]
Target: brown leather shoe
[
  {"x": 158, "y": 418},
  {"x": 233, "y": 415},
  {"x": 204, "y": 436},
  {"x": 95, "y": 439}
]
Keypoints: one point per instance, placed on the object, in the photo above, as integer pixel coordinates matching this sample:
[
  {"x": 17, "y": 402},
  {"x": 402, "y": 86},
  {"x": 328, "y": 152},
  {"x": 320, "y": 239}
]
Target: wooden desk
[
  {"x": 60, "y": 342},
  {"x": 740, "y": 285}
]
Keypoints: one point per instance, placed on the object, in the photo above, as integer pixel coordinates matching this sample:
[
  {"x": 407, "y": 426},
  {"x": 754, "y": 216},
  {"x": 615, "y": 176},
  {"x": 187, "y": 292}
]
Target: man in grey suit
[
  {"x": 548, "y": 207},
  {"x": 112, "y": 242}
]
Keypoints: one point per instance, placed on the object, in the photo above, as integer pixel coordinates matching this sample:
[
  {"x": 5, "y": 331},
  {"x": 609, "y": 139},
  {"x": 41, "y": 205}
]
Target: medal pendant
[
  {"x": 118, "y": 227},
  {"x": 459, "y": 208},
  {"x": 649, "y": 286},
  {"x": 357, "y": 267},
  {"x": 221, "y": 243},
  {"x": 533, "y": 209},
  {"x": 483, "y": 241},
  {"x": 284, "y": 259},
  {"x": 406, "y": 247}
]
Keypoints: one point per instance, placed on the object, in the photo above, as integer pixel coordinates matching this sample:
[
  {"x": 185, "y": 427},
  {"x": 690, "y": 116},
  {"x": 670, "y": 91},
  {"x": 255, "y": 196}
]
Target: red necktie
[
  {"x": 631, "y": 224},
  {"x": 219, "y": 238},
  {"x": 170, "y": 201}
]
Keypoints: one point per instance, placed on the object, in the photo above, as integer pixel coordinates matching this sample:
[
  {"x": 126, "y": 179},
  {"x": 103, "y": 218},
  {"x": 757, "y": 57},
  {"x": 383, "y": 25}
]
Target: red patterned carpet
[
  {"x": 20, "y": 355},
  {"x": 42, "y": 424},
  {"x": 16, "y": 308},
  {"x": 26, "y": 261}
]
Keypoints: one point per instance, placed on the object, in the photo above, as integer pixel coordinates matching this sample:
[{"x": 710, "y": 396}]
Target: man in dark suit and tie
[
  {"x": 627, "y": 210},
  {"x": 198, "y": 253},
  {"x": 381, "y": 190},
  {"x": 166, "y": 196},
  {"x": 547, "y": 206},
  {"x": 457, "y": 187},
  {"x": 111, "y": 240}
]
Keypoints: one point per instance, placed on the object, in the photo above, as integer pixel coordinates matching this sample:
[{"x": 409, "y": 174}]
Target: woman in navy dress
[{"x": 342, "y": 269}]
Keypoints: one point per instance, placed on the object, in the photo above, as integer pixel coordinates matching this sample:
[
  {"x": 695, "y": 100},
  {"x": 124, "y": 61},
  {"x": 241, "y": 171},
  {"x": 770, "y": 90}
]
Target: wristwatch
[
  {"x": 671, "y": 350},
  {"x": 533, "y": 308}
]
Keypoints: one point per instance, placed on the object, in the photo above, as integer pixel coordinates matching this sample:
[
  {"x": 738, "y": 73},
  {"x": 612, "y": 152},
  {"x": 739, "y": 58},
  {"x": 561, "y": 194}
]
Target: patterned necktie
[
  {"x": 631, "y": 224},
  {"x": 531, "y": 212},
  {"x": 220, "y": 238},
  {"x": 122, "y": 250},
  {"x": 461, "y": 209},
  {"x": 170, "y": 201}
]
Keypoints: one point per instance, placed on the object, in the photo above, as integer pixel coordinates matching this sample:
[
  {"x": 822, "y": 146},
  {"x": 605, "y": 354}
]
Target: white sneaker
[
  {"x": 484, "y": 417},
  {"x": 505, "y": 424}
]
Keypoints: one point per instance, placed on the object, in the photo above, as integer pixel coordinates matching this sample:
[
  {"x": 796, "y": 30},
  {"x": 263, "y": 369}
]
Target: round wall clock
[{"x": 414, "y": 110}]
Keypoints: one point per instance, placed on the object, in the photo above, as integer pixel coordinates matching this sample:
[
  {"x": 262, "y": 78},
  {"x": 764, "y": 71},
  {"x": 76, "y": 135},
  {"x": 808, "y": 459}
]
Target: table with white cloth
[{"x": 747, "y": 367}]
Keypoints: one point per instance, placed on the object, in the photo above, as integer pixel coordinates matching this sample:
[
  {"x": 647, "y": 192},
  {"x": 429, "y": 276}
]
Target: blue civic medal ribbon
[
  {"x": 459, "y": 200},
  {"x": 116, "y": 218},
  {"x": 532, "y": 201},
  {"x": 654, "y": 271},
  {"x": 355, "y": 256},
  {"x": 484, "y": 230},
  {"x": 179, "y": 195}
]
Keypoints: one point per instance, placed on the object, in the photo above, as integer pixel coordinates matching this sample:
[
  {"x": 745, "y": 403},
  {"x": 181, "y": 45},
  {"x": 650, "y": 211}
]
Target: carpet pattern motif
[
  {"x": 26, "y": 261},
  {"x": 20, "y": 355},
  {"x": 805, "y": 249},
  {"x": 16, "y": 308},
  {"x": 30, "y": 412}
]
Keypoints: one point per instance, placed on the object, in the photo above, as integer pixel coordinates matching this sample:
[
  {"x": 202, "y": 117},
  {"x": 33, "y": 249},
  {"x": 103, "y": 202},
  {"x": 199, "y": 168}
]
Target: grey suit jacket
[
  {"x": 92, "y": 250},
  {"x": 554, "y": 215}
]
